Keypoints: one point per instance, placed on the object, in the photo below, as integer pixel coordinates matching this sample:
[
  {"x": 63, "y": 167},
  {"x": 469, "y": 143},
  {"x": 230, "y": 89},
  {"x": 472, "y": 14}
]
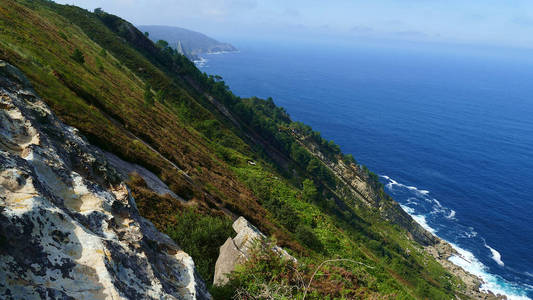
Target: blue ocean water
[{"x": 448, "y": 128}]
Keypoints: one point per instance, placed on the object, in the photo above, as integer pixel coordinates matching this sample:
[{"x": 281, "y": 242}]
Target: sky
[{"x": 494, "y": 22}]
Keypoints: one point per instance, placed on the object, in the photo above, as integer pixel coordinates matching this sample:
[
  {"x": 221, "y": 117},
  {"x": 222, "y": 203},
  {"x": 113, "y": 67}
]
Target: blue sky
[{"x": 504, "y": 22}]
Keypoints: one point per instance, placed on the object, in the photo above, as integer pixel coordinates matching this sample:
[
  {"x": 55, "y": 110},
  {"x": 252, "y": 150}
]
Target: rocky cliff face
[
  {"x": 356, "y": 184},
  {"x": 69, "y": 228}
]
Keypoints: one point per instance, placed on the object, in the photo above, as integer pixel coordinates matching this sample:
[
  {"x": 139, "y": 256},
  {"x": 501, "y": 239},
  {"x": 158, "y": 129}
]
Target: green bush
[
  {"x": 148, "y": 95},
  {"x": 307, "y": 236},
  {"x": 78, "y": 57},
  {"x": 309, "y": 191},
  {"x": 201, "y": 237}
]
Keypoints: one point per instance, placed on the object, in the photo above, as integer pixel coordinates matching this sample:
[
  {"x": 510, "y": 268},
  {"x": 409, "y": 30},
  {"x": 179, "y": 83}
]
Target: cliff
[
  {"x": 69, "y": 227},
  {"x": 181, "y": 150}
]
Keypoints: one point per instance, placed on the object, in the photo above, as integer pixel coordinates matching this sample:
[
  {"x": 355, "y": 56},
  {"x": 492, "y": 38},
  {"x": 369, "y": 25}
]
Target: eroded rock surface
[
  {"x": 236, "y": 250},
  {"x": 69, "y": 227}
]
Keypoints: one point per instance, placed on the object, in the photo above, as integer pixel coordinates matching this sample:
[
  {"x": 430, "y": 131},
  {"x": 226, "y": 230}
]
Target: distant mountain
[{"x": 187, "y": 42}]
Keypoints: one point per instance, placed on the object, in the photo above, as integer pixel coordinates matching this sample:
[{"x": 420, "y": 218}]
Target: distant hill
[{"x": 187, "y": 42}]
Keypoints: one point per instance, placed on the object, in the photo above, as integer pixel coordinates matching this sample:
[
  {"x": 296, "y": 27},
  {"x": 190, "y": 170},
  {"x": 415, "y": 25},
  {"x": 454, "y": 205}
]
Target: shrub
[
  {"x": 266, "y": 275},
  {"x": 307, "y": 236},
  {"x": 201, "y": 237},
  {"x": 148, "y": 96},
  {"x": 78, "y": 57},
  {"x": 309, "y": 191}
]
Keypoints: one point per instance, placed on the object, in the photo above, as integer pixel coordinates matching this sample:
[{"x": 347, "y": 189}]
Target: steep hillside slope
[
  {"x": 221, "y": 156},
  {"x": 68, "y": 226}
]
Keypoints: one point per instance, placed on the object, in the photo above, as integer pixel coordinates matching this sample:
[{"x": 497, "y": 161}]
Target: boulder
[{"x": 236, "y": 250}]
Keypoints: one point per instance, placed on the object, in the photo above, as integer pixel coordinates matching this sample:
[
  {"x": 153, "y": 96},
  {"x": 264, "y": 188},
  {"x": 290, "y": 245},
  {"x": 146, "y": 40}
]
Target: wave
[
  {"x": 420, "y": 219},
  {"x": 222, "y": 52},
  {"x": 451, "y": 215},
  {"x": 496, "y": 256},
  {"x": 411, "y": 188},
  {"x": 416, "y": 207},
  {"x": 493, "y": 283},
  {"x": 201, "y": 62}
]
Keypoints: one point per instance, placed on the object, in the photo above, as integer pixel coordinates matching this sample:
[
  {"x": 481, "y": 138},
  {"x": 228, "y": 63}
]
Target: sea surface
[{"x": 448, "y": 128}]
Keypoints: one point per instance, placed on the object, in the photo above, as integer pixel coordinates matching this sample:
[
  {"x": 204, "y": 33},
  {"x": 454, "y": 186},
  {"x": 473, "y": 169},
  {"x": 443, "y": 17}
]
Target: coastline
[
  {"x": 448, "y": 254},
  {"x": 442, "y": 252},
  {"x": 201, "y": 60}
]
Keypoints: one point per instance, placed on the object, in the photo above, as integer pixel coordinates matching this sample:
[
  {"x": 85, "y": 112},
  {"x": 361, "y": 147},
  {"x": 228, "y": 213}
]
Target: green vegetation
[
  {"x": 196, "y": 233},
  {"x": 199, "y": 138},
  {"x": 77, "y": 56},
  {"x": 148, "y": 95}
]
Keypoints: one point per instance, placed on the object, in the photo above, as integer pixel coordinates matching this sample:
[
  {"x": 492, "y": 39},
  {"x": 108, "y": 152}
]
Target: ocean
[{"x": 449, "y": 128}]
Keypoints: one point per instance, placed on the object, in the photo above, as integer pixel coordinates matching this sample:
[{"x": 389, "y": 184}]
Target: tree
[
  {"x": 349, "y": 159},
  {"x": 309, "y": 191},
  {"x": 314, "y": 167},
  {"x": 78, "y": 57},
  {"x": 148, "y": 96},
  {"x": 162, "y": 44},
  {"x": 299, "y": 154},
  {"x": 147, "y": 34}
]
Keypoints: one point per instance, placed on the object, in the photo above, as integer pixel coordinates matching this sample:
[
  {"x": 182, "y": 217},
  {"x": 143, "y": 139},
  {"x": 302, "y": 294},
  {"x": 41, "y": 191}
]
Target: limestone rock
[
  {"x": 69, "y": 227},
  {"x": 236, "y": 250}
]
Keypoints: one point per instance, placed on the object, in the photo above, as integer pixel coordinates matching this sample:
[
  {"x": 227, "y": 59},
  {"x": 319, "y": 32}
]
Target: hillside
[
  {"x": 222, "y": 157},
  {"x": 188, "y": 42}
]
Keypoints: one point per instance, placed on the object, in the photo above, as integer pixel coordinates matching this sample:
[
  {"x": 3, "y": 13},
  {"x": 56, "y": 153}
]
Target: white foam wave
[
  {"x": 393, "y": 182},
  {"x": 451, "y": 215},
  {"x": 472, "y": 233},
  {"x": 407, "y": 209},
  {"x": 465, "y": 258},
  {"x": 200, "y": 63},
  {"x": 412, "y": 201},
  {"x": 496, "y": 256},
  {"x": 420, "y": 219}
]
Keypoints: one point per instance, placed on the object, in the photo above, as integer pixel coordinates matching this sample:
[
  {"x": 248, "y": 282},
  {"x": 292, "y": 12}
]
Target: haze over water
[{"x": 449, "y": 129}]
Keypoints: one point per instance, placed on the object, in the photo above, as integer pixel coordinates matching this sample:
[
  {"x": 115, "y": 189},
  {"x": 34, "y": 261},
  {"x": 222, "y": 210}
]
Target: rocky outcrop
[
  {"x": 442, "y": 252},
  {"x": 69, "y": 227},
  {"x": 356, "y": 187},
  {"x": 236, "y": 250}
]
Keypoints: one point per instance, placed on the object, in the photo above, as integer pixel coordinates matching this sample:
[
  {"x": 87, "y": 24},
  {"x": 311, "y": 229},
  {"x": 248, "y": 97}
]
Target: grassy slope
[{"x": 104, "y": 99}]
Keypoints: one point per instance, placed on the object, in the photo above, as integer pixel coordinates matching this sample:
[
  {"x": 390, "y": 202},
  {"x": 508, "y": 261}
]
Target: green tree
[
  {"x": 309, "y": 191},
  {"x": 162, "y": 44},
  {"x": 78, "y": 57},
  {"x": 314, "y": 167},
  {"x": 299, "y": 154},
  {"x": 349, "y": 159}
]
